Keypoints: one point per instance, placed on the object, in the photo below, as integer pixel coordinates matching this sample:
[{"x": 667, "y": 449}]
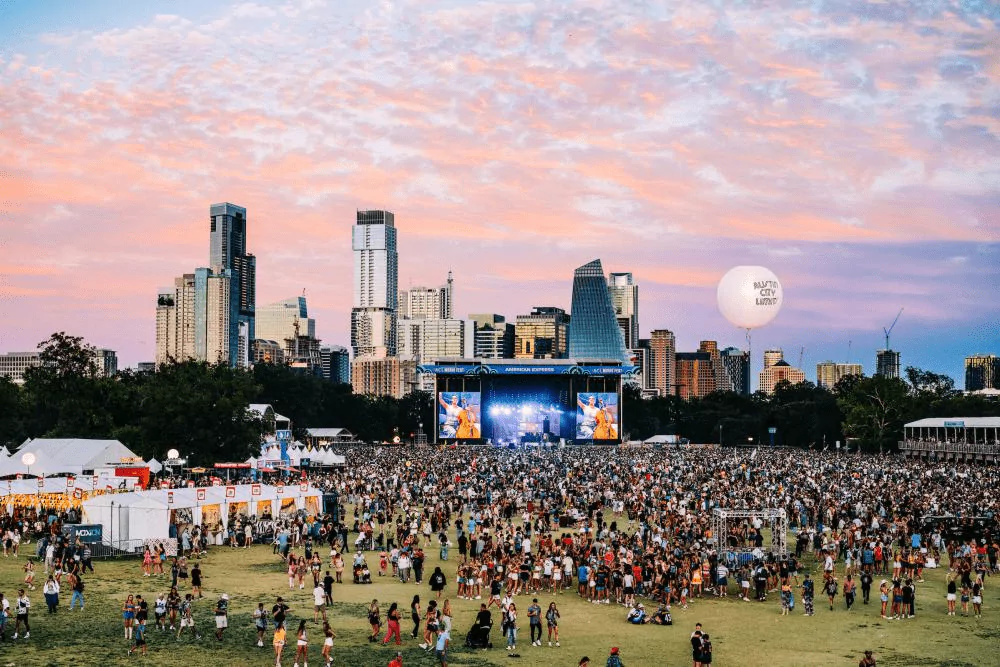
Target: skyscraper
[
  {"x": 228, "y": 259},
  {"x": 595, "y": 333},
  {"x": 695, "y": 374},
  {"x": 287, "y": 323},
  {"x": 494, "y": 336},
  {"x": 662, "y": 361},
  {"x": 376, "y": 285},
  {"x": 625, "y": 300},
  {"x": 828, "y": 373},
  {"x": 722, "y": 380},
  {"x": 887, "y": 363},
  {"x": 542, "y": 334},
  {"x": 982, "y": 372},
  {"x": 776, "y": 370},
  {"x": 335, "y": 361},
  {"x": 737, "y": 366},
  {"x": 427, "y": 303}
]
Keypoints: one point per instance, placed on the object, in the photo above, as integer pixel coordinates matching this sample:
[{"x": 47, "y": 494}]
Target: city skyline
[{"x": 550, "y": 163}]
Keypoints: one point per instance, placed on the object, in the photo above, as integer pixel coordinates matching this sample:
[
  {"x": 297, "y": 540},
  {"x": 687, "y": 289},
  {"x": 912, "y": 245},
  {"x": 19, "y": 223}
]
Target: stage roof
[{"x": 956, "y": 422}]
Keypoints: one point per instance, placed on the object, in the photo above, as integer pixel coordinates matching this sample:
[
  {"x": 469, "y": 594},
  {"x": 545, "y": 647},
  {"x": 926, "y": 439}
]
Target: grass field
[{"x": 743, "y": 633}]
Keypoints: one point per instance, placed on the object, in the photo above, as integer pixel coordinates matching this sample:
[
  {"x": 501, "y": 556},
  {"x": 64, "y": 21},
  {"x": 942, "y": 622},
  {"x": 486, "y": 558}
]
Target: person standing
[
  {"x": 614, "y": 660},
  {"x": 866, "y": 586},
  {"x": 221, "y": 616},
  {"x": 706, "y": 650},
  {"x": 128, "y": 615},
  {"x": 328, "y": 588},
  {"x": 187, "y": 616},
  {"x": 196, "y": 580},
  {"x": 21, "y": 606},
  {"x": 140, "y": 637},
  {"x": 511, "y": 627},
  {"x": 441, "y": 648},
  {"x": 437, "y": 582},
  {"x": 868, "y": 660},
  {"x": 849, "y": 591},
  {"x": 77, "y": 585},
  {"x": 319, "y": 602},
  {"x": 51, "y": 592}
]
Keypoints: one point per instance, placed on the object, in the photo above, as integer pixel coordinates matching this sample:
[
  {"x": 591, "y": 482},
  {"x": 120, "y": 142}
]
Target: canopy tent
[
  {"x": 4, "y": 453},
  {"x": 59, "y": 492},
  {"x": 148, "y": 514},
  {"x": 68, "y": 456}
]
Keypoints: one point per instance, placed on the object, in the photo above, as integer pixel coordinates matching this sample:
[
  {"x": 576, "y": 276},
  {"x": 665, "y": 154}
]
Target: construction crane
[
  {"x": 802, "y": 354},
  {"x": 891, "y": 327}
]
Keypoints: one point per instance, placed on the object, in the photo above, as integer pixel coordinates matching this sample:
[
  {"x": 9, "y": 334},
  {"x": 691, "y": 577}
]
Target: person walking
[
  {"x": 278, "y": 642},
  {"x": 808, "y": 590},
  {"x": 437, "y": 581},
  {"x": 374, "y": 620},
  {"x": 319, "y": 602},
  {"x": 301, "y": 645},
  {"x": 328, "y": 635},
  {"x": 849, "y": 591},
  {"x": 221, "y": 616},
  {"x": 511, "y": 628},
  {"x": 22, "y": 606},
  {"x": 51, "y": 592},
  {"x": 392, "y": 621},
  {"x": 552, "y": 621},
  {"x": 140, "y": 638},
  {"x": 260, "y": 623},
  {"x": 415, "y": 615},
  {"x": 77, "y": 596},
  {"x": 614, "y": 659},
  {"x": 535, "y": 622}
]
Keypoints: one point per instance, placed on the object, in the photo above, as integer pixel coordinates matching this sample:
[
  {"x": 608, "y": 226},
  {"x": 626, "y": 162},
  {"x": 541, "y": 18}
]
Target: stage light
[{"x": 494, "y": 411}]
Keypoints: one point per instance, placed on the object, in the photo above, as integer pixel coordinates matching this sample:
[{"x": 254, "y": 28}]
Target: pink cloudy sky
[{"x": 853, "y": 147}]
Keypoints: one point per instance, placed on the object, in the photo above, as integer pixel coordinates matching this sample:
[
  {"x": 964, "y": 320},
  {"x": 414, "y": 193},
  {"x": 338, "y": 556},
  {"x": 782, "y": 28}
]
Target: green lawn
[{"x": 743, "y": 633}]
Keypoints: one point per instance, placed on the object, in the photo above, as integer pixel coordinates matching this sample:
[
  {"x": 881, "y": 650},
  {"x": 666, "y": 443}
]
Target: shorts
[
  {"x": 301, "y": 643},
  {"x": 328, "y": 641},
  {"x": 140, "y": 642},
  {"x": 278, "y": 643},
  {"x": 951, "y": 597},
  {"x": 221, "y": 622},
  {"x": 441, "y": 655},
  {"x": 723, "y": 581},
  {"x": 187, "y": 622},
  {"x": 977, "y": 599},
  {"x": 629, "y": 590}
]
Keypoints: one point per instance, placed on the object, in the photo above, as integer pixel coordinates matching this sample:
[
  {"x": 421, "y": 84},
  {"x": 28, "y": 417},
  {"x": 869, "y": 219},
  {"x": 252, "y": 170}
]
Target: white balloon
[
  {"x": 28, "y": 459},
  {"x": 749, "y": 296}
]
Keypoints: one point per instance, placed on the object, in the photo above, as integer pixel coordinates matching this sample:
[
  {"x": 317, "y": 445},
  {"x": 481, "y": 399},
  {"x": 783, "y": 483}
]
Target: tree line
[{"x": 201, "y": 409}]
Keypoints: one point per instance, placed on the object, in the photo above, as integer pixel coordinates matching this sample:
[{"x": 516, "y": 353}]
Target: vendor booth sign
[{"x": 89, "y": 533}]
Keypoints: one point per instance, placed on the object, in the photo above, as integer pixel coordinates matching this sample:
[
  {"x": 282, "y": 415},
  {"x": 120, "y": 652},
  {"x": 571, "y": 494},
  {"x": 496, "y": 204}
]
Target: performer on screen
[
  {"x": 605, "y": 429},
  {"x": 589, "y": 422},
  {"x": 451, "y": 411},
  {"x": 467, "y": 422}
]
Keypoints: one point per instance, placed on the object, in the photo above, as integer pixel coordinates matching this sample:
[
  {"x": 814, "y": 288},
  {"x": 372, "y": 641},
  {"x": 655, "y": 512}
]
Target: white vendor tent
[
  {"x": 148, "y": 514},
  {"x": 68, "y": 456}
]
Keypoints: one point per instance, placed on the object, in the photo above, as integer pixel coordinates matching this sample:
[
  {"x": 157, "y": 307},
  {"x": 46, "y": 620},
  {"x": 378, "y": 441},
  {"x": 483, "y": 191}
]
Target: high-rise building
[
  {"x": 376, "y": 285},
  {"x": 625, "y": 300},
  {"x": 105, "y": 363},
  {"x": 268, "y": 352},
  {"x": 776, "y": 370},
  {"x": 146, "y": 367},
  {"x": 229, "y": 260},
  {"x": 427, "y": 303},
  {"x": 335, "y": 361},
  {"x": 828, "y": 373},
  {"x": 494, "y": 336},
  {"x": 982, "y": 371},
  {"x": 288, "y": 323},
  {"x": 662, "y": 362},
  {"x": 695, "y": 374},
  {"x": 542, "y": 334},
  {"x": 377, "y": 376},
  {"x": 773, "y": 356},
  {"x": 595, "y": 333},
  {"x": 175, "y": 321},
  {"x": 736, "y": 363},
  {"x": 722, "y": 380},
  {"x": 887, "y": 363},
  {"x": 14, "y": 365}
]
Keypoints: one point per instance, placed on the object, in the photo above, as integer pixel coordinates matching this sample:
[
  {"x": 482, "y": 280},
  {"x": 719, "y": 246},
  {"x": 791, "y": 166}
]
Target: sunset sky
[{"x": 852, "y": 147}]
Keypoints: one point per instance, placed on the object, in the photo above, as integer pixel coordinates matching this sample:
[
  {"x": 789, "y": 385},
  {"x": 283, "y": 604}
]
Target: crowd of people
[{"x": 613, "y": 526}]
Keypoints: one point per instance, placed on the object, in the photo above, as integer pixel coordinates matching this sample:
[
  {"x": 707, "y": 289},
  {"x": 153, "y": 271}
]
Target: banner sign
[
  {"x": 89, "y": 533},
  {"x": 304, "y": 487},
  {"x": 526, "y": 369},
  {"x": 232, "y": 465},
  {"x": 230, "y": 492},
  {"x": 283, "y": 434},
  {"x": 280, "y": 488},
  {"x": 255, "y": 489},
  {"x": 190, "y": 483},
  {"x": 201, "y": 494},
  {"x": 955, "y": 424},
  {"x": 170, "y": 497}
]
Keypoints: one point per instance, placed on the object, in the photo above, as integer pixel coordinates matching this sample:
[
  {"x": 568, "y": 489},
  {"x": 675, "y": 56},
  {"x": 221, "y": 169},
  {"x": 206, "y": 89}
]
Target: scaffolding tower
[{"x": 774, "y": 522}]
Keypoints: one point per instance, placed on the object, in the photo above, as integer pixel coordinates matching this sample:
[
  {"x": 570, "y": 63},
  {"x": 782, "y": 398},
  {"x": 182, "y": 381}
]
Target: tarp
[{"x": 154, "y": 466}]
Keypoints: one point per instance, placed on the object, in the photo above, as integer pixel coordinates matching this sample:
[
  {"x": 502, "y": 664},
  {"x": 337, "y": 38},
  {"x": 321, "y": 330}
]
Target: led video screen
[
  {"x": 596, "y": 416},
  {"x": 459, "y": 415}
]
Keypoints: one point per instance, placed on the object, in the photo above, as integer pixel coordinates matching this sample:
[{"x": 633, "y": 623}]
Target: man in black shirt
[
  {"x": 328, "y": 587},
  {"x": 278, "y": 612},
  {"x": 866, "y": 585},
  {"x": 142, "y": 609},
  {"x": 696, "y": 646}
]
